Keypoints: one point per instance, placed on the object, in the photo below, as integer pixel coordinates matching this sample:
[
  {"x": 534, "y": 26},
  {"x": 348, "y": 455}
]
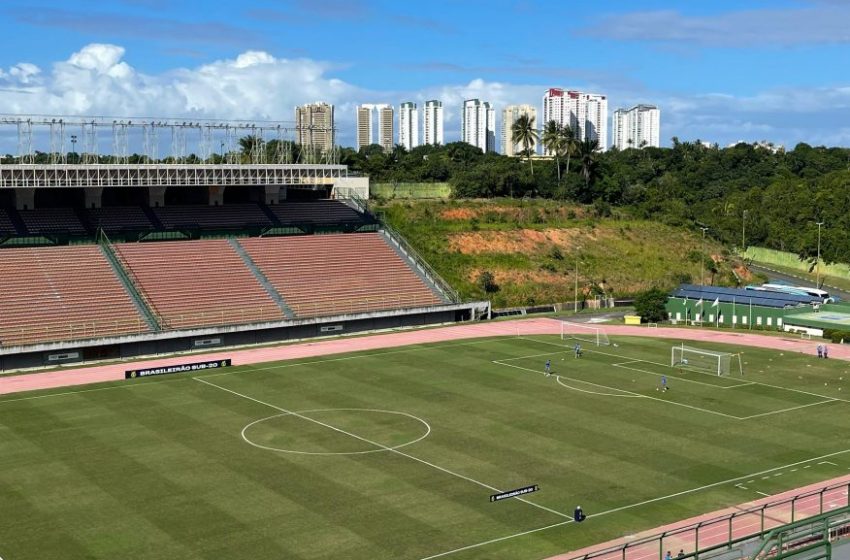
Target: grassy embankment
[{"x": 531, "y": 248}]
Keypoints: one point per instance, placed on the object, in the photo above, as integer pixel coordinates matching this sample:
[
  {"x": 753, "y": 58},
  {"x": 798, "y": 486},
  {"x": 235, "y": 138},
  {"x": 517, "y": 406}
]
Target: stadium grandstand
[{"x": 103, "y": 258}]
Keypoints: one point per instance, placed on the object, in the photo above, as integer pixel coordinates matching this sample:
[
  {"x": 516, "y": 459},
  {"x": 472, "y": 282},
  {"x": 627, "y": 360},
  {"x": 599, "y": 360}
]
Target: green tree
[
  {"x": 588, "y": 158},
  {"x": 524, "y": 132},
  {"x": 651, "y": 305},
  {"x": 554, "y": 142}
]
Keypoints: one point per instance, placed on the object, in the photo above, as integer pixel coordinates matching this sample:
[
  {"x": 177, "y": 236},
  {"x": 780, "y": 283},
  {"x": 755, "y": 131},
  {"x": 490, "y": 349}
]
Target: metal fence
[{"x": 697, "y": 539}]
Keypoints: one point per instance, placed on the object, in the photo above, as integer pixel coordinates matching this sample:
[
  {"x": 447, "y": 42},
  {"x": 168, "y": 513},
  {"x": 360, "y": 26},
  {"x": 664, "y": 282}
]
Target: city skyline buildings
[
  {"x": 375, "y": 117},
  {"x": 637, "y": 127},
  {"x": 478, "y": 125},
  {"x": 585, "y": 113}
]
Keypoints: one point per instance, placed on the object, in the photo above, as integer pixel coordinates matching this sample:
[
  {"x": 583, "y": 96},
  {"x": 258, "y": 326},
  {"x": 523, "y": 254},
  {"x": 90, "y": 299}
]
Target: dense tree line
[{"x": 774, "y": 197}]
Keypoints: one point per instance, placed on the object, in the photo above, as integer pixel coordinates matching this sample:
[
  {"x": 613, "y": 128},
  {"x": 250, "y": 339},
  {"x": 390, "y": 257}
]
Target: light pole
[
  {"x": 702, "y": 260},
  {"x": 74, "y": 144},
  {"x": 817, "y": 274},
  {"x": 575, "y": 298}
]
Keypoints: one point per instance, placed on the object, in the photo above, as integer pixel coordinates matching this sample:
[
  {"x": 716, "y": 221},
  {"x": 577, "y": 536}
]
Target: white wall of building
[
  {"x": 432, "y": 120},
  {"x": 637, "y": 127},
  {"x": 510, "y": 114},
  {"x": 478, "y": 125},
  {"x": 408, "y": 125},
  {"x": 585, "y": 113}
]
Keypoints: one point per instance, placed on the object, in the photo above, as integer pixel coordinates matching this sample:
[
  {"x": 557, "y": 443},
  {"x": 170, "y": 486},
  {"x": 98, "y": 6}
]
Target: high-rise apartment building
[
  {"x": 637, "y": 127},
  {"x": 314, "y": 126},
  {"x": 510, "y": 114},
  {"x": 366, "y": 122},
  {"x": 386, "y": 127},
  {"x": 478, "y": 126},
  {"x": 408, "y": 125},
  {"x": 432, "y": 121},
  {"x": 585, "y": 113}
]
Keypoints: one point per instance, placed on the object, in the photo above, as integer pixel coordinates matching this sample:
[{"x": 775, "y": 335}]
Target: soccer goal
[
  {"x": 584, "y": 332},
  {"x": 706, "y": 361}
]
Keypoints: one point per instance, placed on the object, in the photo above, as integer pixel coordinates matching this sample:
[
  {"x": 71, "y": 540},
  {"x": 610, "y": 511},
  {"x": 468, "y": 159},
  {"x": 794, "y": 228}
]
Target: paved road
[{"x": 797, "y": 280}]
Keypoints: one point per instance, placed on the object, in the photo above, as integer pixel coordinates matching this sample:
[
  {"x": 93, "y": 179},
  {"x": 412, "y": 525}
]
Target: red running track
[
  {"x": 715, "y": 528},
  {"x": 67, "y": 377}
]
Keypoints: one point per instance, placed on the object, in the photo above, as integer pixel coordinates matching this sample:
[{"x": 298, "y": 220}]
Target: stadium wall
[{"x": 170, "y": 342}]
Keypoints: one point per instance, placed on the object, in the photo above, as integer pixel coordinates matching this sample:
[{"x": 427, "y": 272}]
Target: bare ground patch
[{"x": 528, "y": 241}]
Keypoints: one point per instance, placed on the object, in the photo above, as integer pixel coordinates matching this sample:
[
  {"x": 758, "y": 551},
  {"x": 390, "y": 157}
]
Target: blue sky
[{"x": 720, "y": 71}]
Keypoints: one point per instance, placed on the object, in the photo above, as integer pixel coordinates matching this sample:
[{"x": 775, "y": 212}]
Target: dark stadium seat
[
  {"x": 228, "y": 216},
  {"x": 197, "y": 283},
  {"x": 316, "y": 212},
  {"x": 52, "y": 220},
  {"x": 62, "y": 293},
  {"x": 320, "y": 275},
  {"x": 118, "y": 218},
  {"x": 6, "y": 225}
]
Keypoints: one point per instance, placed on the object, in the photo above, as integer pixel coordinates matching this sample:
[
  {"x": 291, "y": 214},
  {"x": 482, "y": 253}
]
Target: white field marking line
[
  {"x": 499, "y": 539},
  {"x": 685, "y": 379},
  {"x": 632, "y": 360},
  {"x": 780, "y": 411},
  {"x": 631, "y": 393},
  {"x": 762, "y": 493},
  {"x": 533, "y": 356},
  {"x": 376, "y": 444},
  {"x": 628, "y": 394},
  {"x": 741, "y": 486},
  {"x": 379, "y": 450},
  {"x": 638, "y": 504},
  {"x": 742, "y": 384},
  {"x": 827, "y": 463},
  {"x": 359, "y": 355},
  {"x": 412, "y": 348},
  {"x": 558, "y": 381}
]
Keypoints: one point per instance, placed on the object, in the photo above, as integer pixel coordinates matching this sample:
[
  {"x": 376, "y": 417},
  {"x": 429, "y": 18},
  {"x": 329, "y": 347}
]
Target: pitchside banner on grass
[
  {"x": 514, "y": 493},
  {"x": 182, "y": 368}
]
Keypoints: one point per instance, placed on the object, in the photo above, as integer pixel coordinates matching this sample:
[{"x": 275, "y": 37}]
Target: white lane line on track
[{"x": 380, "y": 445}]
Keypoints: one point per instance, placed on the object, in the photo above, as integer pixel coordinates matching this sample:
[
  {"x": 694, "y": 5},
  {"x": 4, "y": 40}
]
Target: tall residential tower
[
  {"x": 585, "y": 113},
  {"x": 432, "y": 121},
  {"x": 366, "y": 126},
  {"x": 479, "y": 125},
  {"x": 637, "y": 127},
  {"x": 314, "y": 126},
  {"x": 408, "y": 125},
  {"x": 510, "y": 114}
]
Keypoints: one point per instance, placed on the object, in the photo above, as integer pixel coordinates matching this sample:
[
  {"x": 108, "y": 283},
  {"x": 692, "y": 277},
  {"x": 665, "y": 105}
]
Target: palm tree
[
  {"x": 251, "y": 147},
  {"x": 587, "y": 156},
  {"x": 569, "y": 143},
  {"x": 554, "y": 142},
  {"x": 523, "y": 132}
]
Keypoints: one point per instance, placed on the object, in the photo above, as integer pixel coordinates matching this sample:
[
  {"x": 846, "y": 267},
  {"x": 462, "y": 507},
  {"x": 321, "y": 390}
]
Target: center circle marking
[{"x": 304, "y": 413}]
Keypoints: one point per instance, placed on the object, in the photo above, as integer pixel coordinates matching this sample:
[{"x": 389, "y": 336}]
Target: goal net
[
  {"x": 706, "y": 361},
  {"x": 586, "y": 333}
]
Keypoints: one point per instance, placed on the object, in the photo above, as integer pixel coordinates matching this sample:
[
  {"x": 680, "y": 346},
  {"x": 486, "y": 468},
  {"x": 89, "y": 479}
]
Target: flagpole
[
  {"x": 733, "y": 312},
  {"x": 751, "y": 313}
]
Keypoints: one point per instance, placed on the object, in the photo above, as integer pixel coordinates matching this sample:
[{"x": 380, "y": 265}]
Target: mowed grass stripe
[{"x": 491, "y": 423}]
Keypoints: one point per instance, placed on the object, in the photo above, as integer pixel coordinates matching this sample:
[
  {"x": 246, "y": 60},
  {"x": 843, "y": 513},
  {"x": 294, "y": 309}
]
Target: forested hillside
[{"x": 774, "y": 199}]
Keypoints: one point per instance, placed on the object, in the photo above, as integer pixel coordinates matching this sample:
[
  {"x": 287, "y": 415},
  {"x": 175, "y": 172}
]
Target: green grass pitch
[{"x": 394, "y": 454}]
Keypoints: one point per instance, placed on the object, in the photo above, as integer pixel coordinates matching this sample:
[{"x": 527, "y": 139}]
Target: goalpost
[
  {"x": 584, "y": 332},
  {"x": 706, "y": 361}
]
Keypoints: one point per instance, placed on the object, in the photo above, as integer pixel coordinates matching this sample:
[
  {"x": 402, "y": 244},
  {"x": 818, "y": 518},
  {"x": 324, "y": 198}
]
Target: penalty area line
[{"x": 638, "y": 504}]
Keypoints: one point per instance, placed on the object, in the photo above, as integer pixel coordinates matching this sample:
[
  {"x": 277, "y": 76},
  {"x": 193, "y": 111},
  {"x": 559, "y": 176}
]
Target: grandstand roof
[{"x": 737, "y": 295}]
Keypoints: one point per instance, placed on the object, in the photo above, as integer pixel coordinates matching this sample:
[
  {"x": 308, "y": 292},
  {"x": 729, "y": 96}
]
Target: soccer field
[{"x": 394, "y": 454}]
